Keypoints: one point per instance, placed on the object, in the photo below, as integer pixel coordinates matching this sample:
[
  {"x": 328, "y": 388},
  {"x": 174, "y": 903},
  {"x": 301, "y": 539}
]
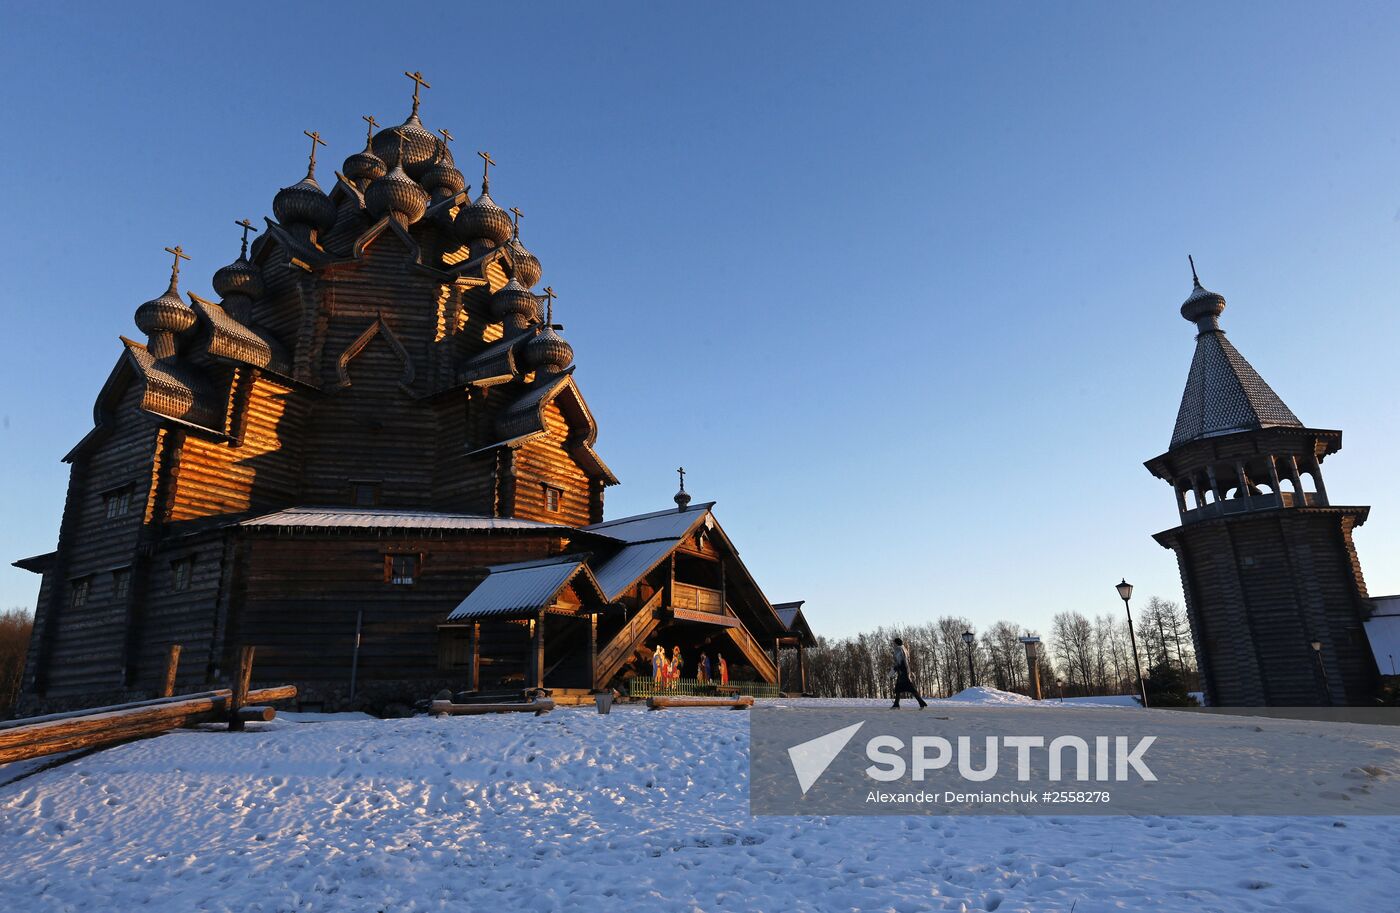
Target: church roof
[
  {"x": 385, "y": 518},
  {"x": 1224, "y": 394},
  {"x": 649, "y": 537},
  {"x": 525, "y": 586}
]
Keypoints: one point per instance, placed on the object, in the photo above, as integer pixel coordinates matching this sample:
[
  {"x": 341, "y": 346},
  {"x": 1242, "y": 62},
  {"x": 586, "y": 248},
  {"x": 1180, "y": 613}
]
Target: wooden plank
[
  {"x": 240, "y": 688},
  {"x": 172, "y": 663},
  {"x": 447, "y": 708},
  {"x": 656, "y": 702}
]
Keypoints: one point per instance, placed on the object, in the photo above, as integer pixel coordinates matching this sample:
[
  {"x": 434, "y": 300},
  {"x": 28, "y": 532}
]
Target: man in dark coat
[{"x": 902, "y": 682}]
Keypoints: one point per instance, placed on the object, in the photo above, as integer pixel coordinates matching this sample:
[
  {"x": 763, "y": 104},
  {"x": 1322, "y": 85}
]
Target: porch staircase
[{"x": 633, "y": 634}]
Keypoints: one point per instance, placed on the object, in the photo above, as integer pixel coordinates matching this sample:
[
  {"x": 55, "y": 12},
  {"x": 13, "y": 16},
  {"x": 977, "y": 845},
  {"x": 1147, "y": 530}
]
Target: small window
[
  {"x": 121, "y": 583},
  {"x": 551, "y": 498},
  {"x": 364, "y": 494},
  {"x": 401, "y": 570},
  {"x": 180, "y": 574},
  {"x": 80, "y": 592},
  {"x": 117, "y": 502}
]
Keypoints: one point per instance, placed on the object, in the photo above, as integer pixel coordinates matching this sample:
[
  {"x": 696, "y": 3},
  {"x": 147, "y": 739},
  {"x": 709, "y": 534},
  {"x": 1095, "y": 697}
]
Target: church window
[
  {"x": 121, "y": 583},
  {"x": 117, "y": 502},
  {"x": 401, "y": 570},
  {"x": 365, "y": 494},
  {"x": 551, "y": 498},
  {"x": 180, "y": 572},
  {"x": 80, "y": 592}
]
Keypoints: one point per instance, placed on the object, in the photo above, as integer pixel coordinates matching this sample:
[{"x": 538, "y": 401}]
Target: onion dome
[
  {"x": 304, "y": 203},
  {"x": 398, "y": 195},
  {"x": 515, "y": 306},
  {"x": 1202, "y": 307},
  {"x": 682, "y": 497},
  {"x": 164, "y": 318},
  {"x": 365, "y": 166},
  {"x": 443, "y": 180},
  {"x": 421, "y": 149},
  {"x": 527, "y": 265},
  {"x": 549, "y": 352},
  {"x": 240, "y": 278},
  {"x": 482, "y": 220}
]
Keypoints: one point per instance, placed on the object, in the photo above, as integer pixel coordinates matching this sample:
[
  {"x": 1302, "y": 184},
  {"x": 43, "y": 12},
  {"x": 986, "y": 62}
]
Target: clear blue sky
[{"x": 898, "y": 284}]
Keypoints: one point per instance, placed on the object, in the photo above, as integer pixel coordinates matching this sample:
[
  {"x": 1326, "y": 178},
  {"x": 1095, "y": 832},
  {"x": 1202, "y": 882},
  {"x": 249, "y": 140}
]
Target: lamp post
[
  {"x": 1322, "y": 667},
  {"x": 969, "y": 638},
  {"x": 1125, "y": 591}
]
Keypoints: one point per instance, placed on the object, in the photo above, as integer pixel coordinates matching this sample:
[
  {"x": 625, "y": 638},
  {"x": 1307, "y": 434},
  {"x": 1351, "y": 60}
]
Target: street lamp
[
  {"x": 1322, "y": 667},
  {"x": 969, "y": 638},
  {"x": 1125, "y": 592}
]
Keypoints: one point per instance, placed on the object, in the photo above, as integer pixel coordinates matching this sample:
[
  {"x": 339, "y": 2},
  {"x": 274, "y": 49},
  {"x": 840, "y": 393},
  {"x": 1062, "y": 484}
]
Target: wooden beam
[
  {"x": 172, "y": 663},
  {"x": 108, "y": 725},
  {"x": 241, "y": 680},
  {"x": 593, "y": 651},
  {"x": 474, "y": 657},
  {"x": 743, "y": 702},
  {"x": 536, "y": 677},
  {"x": 447, "y": 708}
]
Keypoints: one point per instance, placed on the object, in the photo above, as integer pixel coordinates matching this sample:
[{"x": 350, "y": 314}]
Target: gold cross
[
  {"x": 180, "y": 254},
  {"x": 486, "y": 162},
  {"x": 315, "y": 141},
  {"x": 247, "y": 227},
  {"x": 518, "y": 214},
  {"x": 418, "y": 83},
  {"x": 447, "y": 136},
  {"x": 369, "y": 133}
]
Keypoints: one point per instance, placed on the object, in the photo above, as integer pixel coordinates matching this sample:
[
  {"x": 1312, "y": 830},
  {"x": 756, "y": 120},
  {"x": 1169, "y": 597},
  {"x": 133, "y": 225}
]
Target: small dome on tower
[
  {"x": 168, "y": 313},
  {"x": 549, "y": 352},
  {"x": 514, "y": 305},
  {"x": 527, "y": 265},
  {"x": 304, "y": 203},
  {"x": 239, "y": 278},
  {"x": 421, "y": 149},
  {"x": 482, "y": 220},
  {"x": 397, "y": 194},
  {"x": 443, "y": 180},
  {"x": 164, "y": 318},
  {"x": 1202, "y": 306},
  {"x": 365, "y": 166}
]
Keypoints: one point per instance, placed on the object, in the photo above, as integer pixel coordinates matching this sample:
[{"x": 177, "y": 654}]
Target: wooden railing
[
  {"x": 625, "y": 642},
  {"x": 696, "y": 598},
  {"x": 753, "y": 651},
  {"x": 646, "y": 686}
]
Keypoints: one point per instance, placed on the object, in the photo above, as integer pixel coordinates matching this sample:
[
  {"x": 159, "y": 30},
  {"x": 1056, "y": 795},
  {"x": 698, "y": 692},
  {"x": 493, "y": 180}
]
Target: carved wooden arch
[{"x": 377, "y": 328}]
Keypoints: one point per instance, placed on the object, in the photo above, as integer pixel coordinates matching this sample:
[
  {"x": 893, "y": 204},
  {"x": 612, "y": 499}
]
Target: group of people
[{"x": 667, "y": 670}]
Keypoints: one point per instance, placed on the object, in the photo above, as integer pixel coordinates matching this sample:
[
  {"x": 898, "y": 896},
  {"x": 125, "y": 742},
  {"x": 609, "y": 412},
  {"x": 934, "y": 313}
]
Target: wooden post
[
  {"x": 474, "y": 657},
  {"x": 801, "y": 668},
  {"x": 172, "y": 662},
  {"x": 537, "y": 653},
  {"x": 593, "y": 651},
  {"x": 240, "y": 688},
  {"x": 778, "y": 660}
]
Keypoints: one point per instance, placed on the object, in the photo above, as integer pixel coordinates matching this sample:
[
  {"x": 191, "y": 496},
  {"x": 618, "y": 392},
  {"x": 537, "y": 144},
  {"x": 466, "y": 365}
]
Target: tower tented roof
[{"x": 1224, "y": 394}]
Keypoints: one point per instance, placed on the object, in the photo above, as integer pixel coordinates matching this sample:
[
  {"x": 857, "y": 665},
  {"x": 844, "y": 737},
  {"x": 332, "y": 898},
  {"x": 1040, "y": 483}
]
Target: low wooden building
[{"x": 371, "y": 459}]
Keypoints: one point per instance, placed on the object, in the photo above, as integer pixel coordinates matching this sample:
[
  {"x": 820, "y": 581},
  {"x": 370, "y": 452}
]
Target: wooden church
[
  {"x": 370, "y": 458},
  {"x": 1273, "y": 586}
]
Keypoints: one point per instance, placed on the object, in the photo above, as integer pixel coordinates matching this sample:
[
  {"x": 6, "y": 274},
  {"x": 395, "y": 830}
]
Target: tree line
[
  {"x": 1080, "y": 656},
  {"x": 15, "y": 628}
]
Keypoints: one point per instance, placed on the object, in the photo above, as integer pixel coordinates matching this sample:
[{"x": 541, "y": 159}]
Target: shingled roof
[{"x": 1224, "y": 394}]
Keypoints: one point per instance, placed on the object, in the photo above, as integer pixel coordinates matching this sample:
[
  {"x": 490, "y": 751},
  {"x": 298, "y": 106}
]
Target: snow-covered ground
[{"x": 631, "y": 811}]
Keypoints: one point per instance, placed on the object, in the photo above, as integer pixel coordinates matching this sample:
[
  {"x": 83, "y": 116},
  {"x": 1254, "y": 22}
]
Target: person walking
[{"x": 902, "y": 682}]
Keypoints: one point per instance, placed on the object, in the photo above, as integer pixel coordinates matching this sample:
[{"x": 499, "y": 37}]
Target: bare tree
[{"x": 16, "y": 625}]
